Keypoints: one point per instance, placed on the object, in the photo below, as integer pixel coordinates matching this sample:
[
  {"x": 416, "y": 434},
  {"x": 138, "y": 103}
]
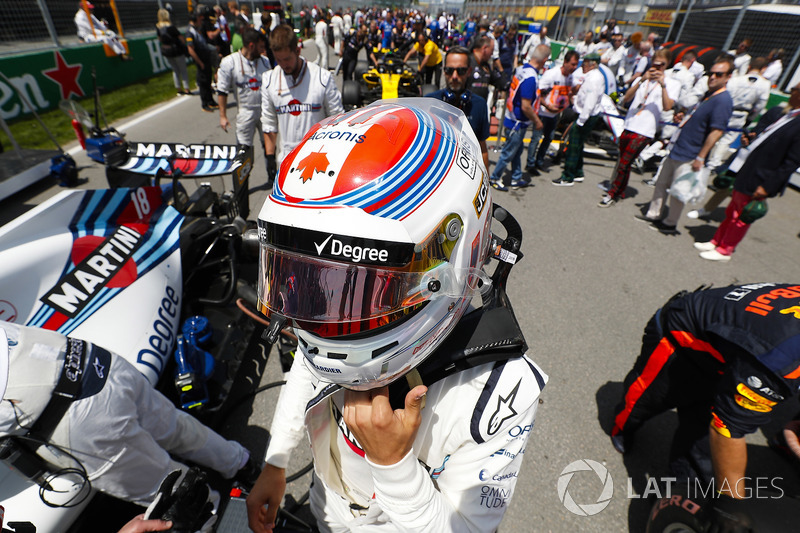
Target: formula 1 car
[
  {"x": 159, "y": 277},
  {"x": 391, "y": 78}
]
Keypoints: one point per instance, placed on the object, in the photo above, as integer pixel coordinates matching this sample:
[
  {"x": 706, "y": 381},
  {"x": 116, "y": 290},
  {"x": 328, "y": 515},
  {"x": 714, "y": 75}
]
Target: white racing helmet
[{"x": 374, "y": 238}]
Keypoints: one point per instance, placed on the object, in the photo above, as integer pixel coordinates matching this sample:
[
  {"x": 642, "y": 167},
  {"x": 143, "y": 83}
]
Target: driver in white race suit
[
  {"x": 295, "y": 95},
  {"x": 242, "y": 72},
  {"x": 373, "y": 243},
  {"x": 120, "y": 429}
]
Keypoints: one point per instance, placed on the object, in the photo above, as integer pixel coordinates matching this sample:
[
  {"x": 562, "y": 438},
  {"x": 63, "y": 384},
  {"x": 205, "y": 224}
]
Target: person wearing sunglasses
[
  {"x": 691, "y": 144},
  {"x": 649, "y": 96},
  {"x": 456, "y": 71},
  {"x": 762, "y": 169}
]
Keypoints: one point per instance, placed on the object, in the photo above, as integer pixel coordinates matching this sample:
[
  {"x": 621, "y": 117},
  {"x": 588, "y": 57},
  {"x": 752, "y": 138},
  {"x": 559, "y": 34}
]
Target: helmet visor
[{"x": 332, "y": 298}]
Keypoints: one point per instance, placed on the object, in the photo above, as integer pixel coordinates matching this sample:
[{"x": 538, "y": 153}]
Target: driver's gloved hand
[
  {"x": 189, "y": 506},
  {"x": 729, "y": 516},
  {"x": 272, "y": 168}
]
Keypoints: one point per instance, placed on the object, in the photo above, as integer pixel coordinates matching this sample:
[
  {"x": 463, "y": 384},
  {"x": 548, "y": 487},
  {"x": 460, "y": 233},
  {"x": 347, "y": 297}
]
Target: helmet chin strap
[{"x": 277, "y": 323}]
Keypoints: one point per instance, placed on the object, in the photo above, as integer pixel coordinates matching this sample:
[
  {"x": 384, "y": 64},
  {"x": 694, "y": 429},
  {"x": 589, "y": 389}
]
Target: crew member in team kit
[
  {"x": 295, "y": 95},
  {"x": 242, "y": 71}
]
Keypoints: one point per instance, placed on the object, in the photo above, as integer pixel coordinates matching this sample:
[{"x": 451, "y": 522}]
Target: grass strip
[{"x": 117, "y": 104}]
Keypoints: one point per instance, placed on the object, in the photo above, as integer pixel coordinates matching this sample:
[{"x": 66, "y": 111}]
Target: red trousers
[{"x": 732, "y": 230}]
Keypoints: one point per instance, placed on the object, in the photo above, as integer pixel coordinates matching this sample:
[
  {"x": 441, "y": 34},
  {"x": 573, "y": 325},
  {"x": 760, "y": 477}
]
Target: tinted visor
[{"x": 332, "y": 298}]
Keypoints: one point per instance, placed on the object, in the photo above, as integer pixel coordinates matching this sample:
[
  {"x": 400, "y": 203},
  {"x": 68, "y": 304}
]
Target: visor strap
[{"x": 414, "y": 379}]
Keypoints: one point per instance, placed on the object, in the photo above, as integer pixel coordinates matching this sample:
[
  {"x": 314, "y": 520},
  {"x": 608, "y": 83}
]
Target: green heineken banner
[{"x": 45, "y": 78}]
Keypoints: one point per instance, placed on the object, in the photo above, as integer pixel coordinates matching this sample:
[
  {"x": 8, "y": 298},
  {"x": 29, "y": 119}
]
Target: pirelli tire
[
  {"x": 351, "y": 95},
  {"x": 428, "y": 88},
  {"x": 678, "y": 514},
  {"x": 362, "y": 67}
]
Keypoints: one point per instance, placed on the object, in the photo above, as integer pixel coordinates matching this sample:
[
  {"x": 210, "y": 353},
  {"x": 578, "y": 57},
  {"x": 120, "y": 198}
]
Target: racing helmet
[{"x": 373, "y": 239}]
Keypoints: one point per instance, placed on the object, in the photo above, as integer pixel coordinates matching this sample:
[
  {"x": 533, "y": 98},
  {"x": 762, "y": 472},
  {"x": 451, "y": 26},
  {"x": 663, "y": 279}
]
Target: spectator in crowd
[
  {"x": 749, "y": 94},
  {"x": 522, "y": 111},
  {"x": 761, "y": 169},
  {"x": 614, "y": 57},
  {"x": 456, "y": 93},
  {"x": 696, "y": 136},
  {"x": 242, "y": 72},
  {"x": 774, "y": 65},
  {"x": 587, "y": 105},
  {"x": 202, "y": 53},
  {"x": 555, "y": 88},
  {"x": 631, "y": 57},
  {"x": 430, "y": 64},
  {"x": 602, "y": 45},
  {"x": 640, "y": 64},
  {"x": 741, "y": 59},
  {"x": 586, "y": 46},
  {"x": 610, "y": 27},
  {"x": 173, "y": 49},
  {"x": 224, "y": 40},
  {"x": 534, "y": 40},
  {"x": 649, "y": 96},
  {"x": 293, "y": 80},
  {"x": 93, "y": 30}
]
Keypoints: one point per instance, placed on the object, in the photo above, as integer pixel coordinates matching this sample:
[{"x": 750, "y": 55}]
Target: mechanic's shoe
[
  {"x": 520, "y": 184},
  {"x": 498, "y": 184},
  {"x": 247, "y": 475},
  {"x": 561, "y": 182},
  {"x": 645, "y": 218},
  {"x": 664, "y": 229},
  {"x": 704, "y": 246},
  {"x": 713, "y": 255},
  {"x": 532, "y": 170},
  {"x": 618, "y": 441},
  {"x": 650, "y": 183},
  {"x": 606, "y": 201},
  {"x": 696, "y": 213}
]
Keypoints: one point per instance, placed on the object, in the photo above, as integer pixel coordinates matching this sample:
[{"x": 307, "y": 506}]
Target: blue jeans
[
  {"x": 536, "y": 136},
  {"x": 512, "y": 151}
]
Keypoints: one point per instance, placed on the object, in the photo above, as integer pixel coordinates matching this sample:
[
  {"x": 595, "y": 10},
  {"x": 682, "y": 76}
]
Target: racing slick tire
[
  {"x": 678, "y": 513},
  {"x": 428, "y": 88},
  {"x": 362, "y": 67},
  {"x": 351, "y": 95}
]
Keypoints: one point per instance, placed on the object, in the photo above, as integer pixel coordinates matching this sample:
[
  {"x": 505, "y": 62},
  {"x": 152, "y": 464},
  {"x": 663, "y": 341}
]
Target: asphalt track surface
[{"x": 589, "y": 281}]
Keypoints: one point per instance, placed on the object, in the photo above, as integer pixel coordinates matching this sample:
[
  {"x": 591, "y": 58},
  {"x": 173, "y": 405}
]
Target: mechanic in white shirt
[
  {"x": 295, "y": 95},
  {"x": 242, "y": 72}
]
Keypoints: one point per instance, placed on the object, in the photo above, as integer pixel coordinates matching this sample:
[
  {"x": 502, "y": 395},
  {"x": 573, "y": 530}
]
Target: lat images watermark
[
  {"x": 669, "y": 489},
  {"x": 579, "y": 466}
]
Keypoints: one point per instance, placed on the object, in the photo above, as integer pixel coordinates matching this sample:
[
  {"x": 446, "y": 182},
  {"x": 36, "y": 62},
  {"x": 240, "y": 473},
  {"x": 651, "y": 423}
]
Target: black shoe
[
  {"x": 664, "y": 229},
  {"x": 532, "y": 170},
  {"x": 542, "y": 166},
  {"x": 208, "y": 109}
]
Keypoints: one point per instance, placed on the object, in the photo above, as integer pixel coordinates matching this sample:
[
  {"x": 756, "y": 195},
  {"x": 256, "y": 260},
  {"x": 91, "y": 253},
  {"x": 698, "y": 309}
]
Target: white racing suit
[
  {"x": 120, "y": 428},
  {"x": 244, "y": 76},
  {"x": 290, "y": 109},
  {"x": 460, "y": 474},
  {"x": 96, "y": 31}
]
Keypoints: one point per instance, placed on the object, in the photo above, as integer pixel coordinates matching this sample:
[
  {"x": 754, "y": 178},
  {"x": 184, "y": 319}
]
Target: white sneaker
[
  {"x": 713, "y": 255},
  {"x": 696, "y": 213},
  {"x": 705, "y": 246}
]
